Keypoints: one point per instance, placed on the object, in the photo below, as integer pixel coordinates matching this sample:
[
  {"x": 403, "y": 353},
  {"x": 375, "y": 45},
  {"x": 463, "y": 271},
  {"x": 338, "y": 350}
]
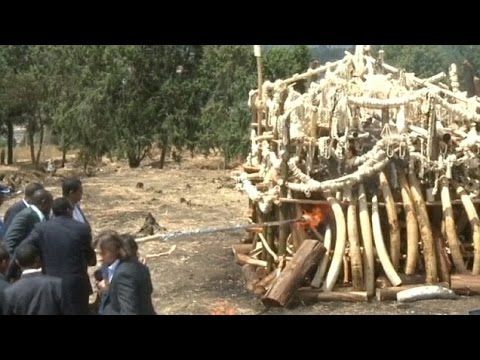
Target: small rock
[{"x": 139, "y": 185}]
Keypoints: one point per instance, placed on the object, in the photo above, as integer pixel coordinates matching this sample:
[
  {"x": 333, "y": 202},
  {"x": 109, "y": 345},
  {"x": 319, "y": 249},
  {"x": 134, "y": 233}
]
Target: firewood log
[{"x": 293, "y": 276}]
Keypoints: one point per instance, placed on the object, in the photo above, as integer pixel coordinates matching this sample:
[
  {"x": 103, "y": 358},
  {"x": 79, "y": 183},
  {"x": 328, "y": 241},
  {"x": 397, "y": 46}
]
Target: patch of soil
[{"x": 200, "y": 275}]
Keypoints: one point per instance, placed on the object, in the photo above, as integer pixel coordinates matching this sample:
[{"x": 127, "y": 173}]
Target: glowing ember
[{"x": 222, "y": 308}]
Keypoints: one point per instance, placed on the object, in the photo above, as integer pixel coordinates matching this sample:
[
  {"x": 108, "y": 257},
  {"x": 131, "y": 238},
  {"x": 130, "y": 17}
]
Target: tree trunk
[
  {"x": 162, "y": 156},
  {"x": 133, "y": 161},
  {"x": 9, "y": 142},
  {"x": 31, "y": 139},
  {"x": 64, "y": 156},
  {"x": 40, "y": 145},
  {"x": 293, "y": 276}
]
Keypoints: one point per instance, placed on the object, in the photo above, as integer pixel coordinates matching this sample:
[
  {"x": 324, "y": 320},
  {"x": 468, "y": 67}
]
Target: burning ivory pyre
[{"x": 381, "y": 169}]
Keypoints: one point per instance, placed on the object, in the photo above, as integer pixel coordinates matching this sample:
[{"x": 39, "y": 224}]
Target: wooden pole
[
  {"x": 258, "y": 54},
  {"x": 284, "y": 229},
  {"x": 399, "y": 204}
]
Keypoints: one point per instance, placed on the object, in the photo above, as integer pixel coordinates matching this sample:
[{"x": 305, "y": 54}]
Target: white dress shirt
[
  {"x": 111, "y": 270},
  {"x": 78, "y": 214},
  {"x": 31, "y": 271},
  {"x": 39, "y": 213}
]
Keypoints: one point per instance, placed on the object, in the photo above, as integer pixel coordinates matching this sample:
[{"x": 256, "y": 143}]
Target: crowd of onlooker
[{"x": 46, "y": 247}]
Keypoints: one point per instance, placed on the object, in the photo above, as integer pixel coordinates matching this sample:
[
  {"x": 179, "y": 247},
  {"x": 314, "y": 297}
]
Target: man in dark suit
[
  {"x": 26, "y": 219},
  {"x": 35, "y": 293},
  {"x": 13, "y": 210},
  {"x": 4, "y": 262},
  {"x": 23, "y": 224},
  {"x": 129, "y": 283},
  {"x": 66, "y": 250},
  {"x": 72, "y": 189},
  {"x": 5, "y": 192}
]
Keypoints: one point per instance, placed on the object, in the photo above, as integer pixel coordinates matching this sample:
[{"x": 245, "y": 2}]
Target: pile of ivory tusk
[{"x": 372, "y": 156}]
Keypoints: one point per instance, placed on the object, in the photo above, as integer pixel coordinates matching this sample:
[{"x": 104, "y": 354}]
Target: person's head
[
  {"x": 4, "y": 259},
  {"x": 72, "y": 189},
  {"x": 43, "y": 200},
  {"x": 27, "y": 256},
  {"x": 62, "y": 207},
  {"x": 110, "y": 246},
  {"x": 30, "y": 190},
  {"x": 129, "y": 245}
]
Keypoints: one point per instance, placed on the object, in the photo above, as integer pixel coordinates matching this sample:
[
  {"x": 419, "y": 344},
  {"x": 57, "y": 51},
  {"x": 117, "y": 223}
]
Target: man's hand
[{"x": 102, "y": 286}]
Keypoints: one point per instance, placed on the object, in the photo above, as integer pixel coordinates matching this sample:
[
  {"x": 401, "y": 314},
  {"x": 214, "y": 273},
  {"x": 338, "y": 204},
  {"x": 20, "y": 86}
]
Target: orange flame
[{"x": 316, "y": 216}]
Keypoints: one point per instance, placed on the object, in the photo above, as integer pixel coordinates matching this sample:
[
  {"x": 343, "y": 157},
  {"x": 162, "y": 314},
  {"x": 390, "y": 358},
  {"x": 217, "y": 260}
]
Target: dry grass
[{"x": 21, "y": 154}]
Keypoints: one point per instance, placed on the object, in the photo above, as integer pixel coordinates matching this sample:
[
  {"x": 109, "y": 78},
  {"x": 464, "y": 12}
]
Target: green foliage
[
  {"x": 123, "y": 100},
  {"x": 283, "y": 62},
  {"x": 226, "y": 75}
]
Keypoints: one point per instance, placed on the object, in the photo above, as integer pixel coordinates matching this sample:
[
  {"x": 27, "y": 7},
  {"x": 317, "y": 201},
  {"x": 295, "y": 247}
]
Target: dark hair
[
  {"x": 40, "y": 197},
  {"x": 71, "y": 185},
  {"x": 27, "y": 255},
  {"x": 4, "y": 255},
  {"x": 110, "y": 240},
  {"x": 61, "y": 206},
  {"x": 103, "y": 234},
  {"x": 129, "y": 245},
  {"x": 31, "y": 188}
]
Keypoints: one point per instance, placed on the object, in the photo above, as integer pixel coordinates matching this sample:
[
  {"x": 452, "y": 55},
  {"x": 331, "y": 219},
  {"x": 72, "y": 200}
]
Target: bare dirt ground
[{"x": 200, "y": 276}]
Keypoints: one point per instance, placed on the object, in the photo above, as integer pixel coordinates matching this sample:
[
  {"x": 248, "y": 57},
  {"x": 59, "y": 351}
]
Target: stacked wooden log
[{"x": 372, "y": 171}]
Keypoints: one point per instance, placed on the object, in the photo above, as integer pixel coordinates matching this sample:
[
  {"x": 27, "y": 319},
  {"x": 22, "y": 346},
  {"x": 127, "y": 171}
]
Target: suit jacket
[
  {"x": 130, "y": 291},
  {"x": 21, "y": 226},
  {"x": 3, "y": 285},
  {"x": 12, "y": 211},
  {"x": 34, "y": 294},
  {"x": 66, "y": 250}
]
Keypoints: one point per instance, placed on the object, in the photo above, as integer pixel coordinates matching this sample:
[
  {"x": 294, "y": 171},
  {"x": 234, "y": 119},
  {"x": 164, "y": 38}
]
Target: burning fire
[{"x": 316, "y": 216}]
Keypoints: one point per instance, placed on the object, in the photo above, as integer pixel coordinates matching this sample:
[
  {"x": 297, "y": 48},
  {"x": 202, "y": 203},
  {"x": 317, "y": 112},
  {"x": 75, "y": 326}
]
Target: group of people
[{"x": 46, "y": 248}]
